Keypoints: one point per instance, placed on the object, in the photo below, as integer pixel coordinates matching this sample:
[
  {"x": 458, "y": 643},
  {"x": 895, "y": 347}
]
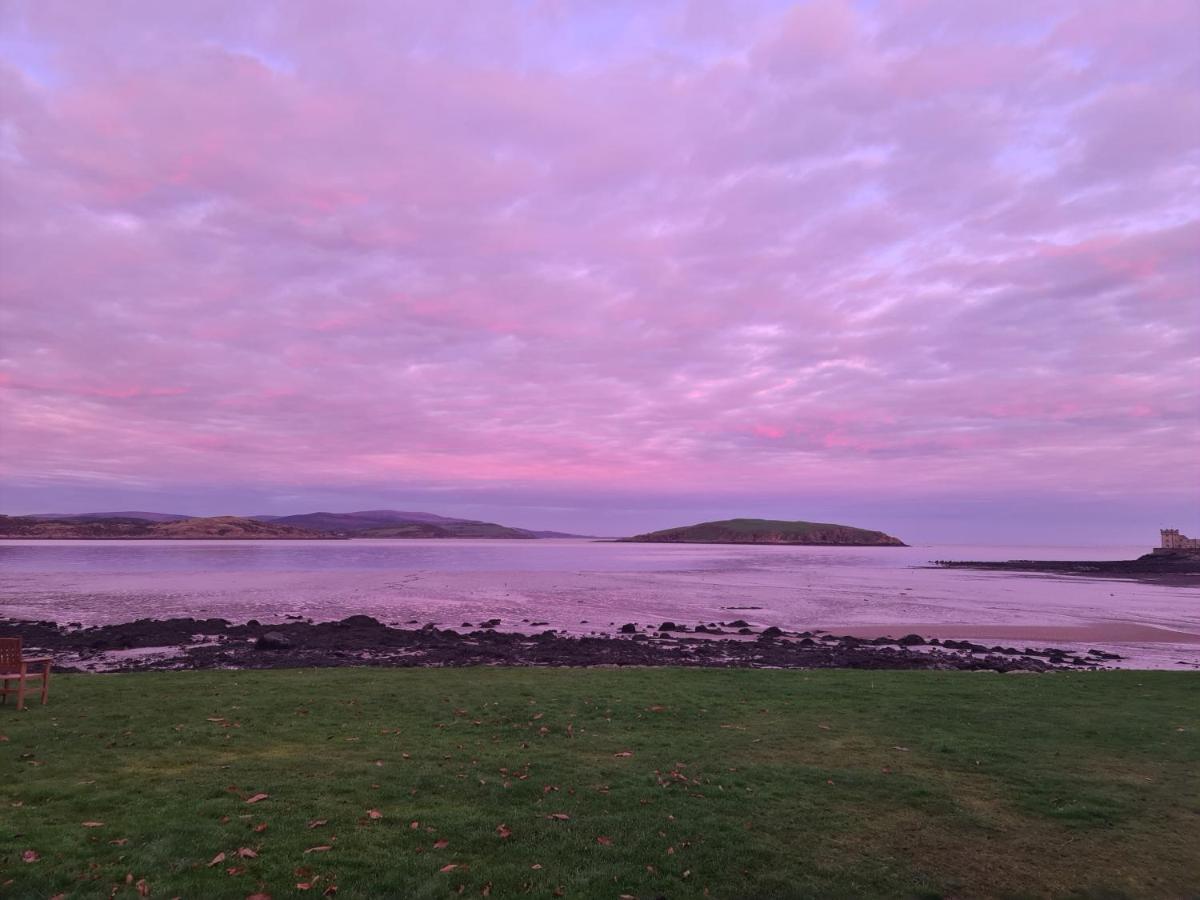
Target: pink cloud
[{"x": 715, "y": 246}]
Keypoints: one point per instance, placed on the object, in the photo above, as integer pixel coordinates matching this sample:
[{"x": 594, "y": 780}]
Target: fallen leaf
[
  {"x": 901, "y": 749},
  {"x": 414, "y": 824},
  {"x": 235, "y": 870},
  {"x": 217, "y": 860},
  {"x": 441, "y": 844},
  {"x": 317, "y": 823},
  {"x": 562, "y": 817},
  {"x": 624, "y": 754},
  {"x": 374, "y": 814},
  {"x": 604, "y": 841},
  {"x": 257, "y": 797},
  {"x": 246, "y": 853},
  {"x": 503, "y": 830},
  {"x": 449, "y": 867},
  {"x": 303, "y": 885},
  {"x": 536, "y": 866},
  {"x": 30, "y": 856},
  {"x": 486, "y": 891},
  {"x": 258, "y": 897},
  {"x": 319, "y": 849},
  {"x": 92, "y": 824},
  {"x": 260, "y": 827},
  {"x": 329, "y": 891},
  {"x": 120, "y": 842},
  {"x": 823, "y": 727},
  {"x": 143, "y": 887}
]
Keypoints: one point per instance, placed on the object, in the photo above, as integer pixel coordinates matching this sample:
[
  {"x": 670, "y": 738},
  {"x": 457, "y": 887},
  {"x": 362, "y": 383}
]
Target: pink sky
[{"x": 604, "y": 265}]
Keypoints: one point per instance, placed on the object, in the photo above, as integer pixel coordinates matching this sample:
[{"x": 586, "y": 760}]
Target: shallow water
[{"x": 582, "y": 586}]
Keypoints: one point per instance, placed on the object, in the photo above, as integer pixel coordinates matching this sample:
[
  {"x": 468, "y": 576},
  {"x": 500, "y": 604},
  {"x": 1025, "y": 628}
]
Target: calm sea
[{"x": 583, "y": 587}]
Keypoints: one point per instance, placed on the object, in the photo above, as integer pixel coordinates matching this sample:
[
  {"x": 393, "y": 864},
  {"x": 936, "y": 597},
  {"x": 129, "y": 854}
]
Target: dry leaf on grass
[
  {"x": 92, "y": 824},
  {"x": 246, "y": 853},
  {"x": 624, "y": 754},
  {"x": 449, "y": 867},
  {"x": 30, "y": 856},
  {"x": 604, "y": 841},
  {"x": 259, "y": 896},
  {"x": 441, "y": 844},
  {"x": 120, "y": 842},
  {"x": 320, "y": 848},
  {"x": 317, "y": 823},
  {"x": 217, "y": 860},
  {"x": 561, "y": 817},
  {"x": 503, "y": 830},
  {"x": 260, "y": 827},
  {"x": 257, "y": 798},
  {"x": 374, "y": 814}
]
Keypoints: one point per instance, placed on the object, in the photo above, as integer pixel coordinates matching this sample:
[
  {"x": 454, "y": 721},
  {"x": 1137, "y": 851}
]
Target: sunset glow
[{"x": 589, "y": 265}]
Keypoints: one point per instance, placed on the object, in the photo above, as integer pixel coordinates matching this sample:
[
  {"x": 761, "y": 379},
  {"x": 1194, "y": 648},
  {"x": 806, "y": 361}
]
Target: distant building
[{"x": 1174, "y": 542}]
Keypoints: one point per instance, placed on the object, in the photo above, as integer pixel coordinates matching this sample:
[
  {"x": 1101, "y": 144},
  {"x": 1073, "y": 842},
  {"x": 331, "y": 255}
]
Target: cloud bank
[{"x": 914, "y": 250}]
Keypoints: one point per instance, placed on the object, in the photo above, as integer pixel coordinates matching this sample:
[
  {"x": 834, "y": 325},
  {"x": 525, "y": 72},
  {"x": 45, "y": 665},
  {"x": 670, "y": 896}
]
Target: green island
[
  {"x": 603, "y": 783},
  {"x": 769, "y": 531}
]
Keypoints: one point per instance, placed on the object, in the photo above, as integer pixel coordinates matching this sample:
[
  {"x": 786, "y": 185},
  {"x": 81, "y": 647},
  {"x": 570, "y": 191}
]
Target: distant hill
[
  {"x": 371, "y": 523},
  {"x": 393, "y": 523},
  {"x": 93, "y": 516},
  {"x": 214, "y": 528},
  {"x": 769, "y": 531}
]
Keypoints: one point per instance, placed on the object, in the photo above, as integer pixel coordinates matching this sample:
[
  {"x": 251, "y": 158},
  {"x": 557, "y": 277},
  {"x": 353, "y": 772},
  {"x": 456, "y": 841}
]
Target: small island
[{"x": 769, "y": 531}]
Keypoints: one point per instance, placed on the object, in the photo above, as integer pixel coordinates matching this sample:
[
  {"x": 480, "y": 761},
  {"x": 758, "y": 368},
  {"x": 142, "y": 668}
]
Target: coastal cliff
[{"x": 769, "y": 531}]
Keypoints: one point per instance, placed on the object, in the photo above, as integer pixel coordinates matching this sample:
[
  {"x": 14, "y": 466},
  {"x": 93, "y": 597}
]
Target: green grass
[{"x": 744, "y": 784}]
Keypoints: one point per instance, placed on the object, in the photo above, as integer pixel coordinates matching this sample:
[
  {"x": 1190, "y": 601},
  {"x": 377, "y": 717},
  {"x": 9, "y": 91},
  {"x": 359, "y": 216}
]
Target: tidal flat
[{"x": 587, "y": 589}]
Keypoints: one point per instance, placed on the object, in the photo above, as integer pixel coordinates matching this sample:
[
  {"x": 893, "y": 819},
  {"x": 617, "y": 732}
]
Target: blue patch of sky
[{"x": 29, "y": 56}]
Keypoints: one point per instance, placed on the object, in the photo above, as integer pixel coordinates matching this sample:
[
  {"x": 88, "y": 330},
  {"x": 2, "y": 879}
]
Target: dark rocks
[
  {"x": 361, "y": 622},
  {"x": 911, "y": 640},
  {"x": 745, "y": 631},
  {"x": 737, "y": 623},
  {"x": 628, "y": 628},
  {"x": 219, "y": 644},
  {"x": 771, "y": 632},
  {"x": 272, "y": 640},
  {"x": 490, "y": 623},
  {"x": 671, "y": 626}
]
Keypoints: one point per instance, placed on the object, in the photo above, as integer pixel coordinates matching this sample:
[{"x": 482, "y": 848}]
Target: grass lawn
[{"x": 604, "y": 783}]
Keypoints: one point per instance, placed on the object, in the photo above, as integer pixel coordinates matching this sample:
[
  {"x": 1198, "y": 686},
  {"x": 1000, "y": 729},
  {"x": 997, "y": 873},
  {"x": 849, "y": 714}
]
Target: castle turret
[{"x": 1172, "y": 542}]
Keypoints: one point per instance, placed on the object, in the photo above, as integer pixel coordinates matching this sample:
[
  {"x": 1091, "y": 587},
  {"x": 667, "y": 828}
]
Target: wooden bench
[{"x": 16, "y": 667}]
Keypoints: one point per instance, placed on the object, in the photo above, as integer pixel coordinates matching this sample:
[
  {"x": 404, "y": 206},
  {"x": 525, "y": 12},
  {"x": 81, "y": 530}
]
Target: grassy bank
[{"x": 603, "y": 783}]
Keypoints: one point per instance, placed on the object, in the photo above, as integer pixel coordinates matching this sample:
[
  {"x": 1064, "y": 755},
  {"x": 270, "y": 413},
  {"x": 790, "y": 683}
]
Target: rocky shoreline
[
  {"x": 1182, "y": 570},
  {"x": 187, "y": 643}
]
